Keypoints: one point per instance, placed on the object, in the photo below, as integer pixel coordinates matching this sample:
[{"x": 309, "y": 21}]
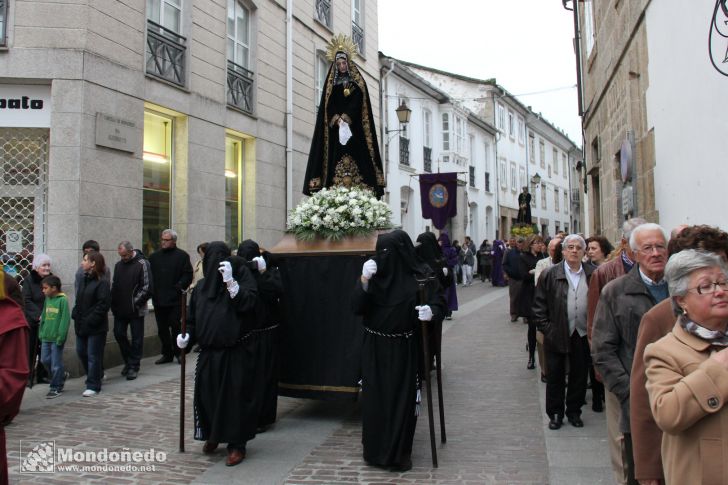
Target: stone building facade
[{"x": 146, "y": 114}]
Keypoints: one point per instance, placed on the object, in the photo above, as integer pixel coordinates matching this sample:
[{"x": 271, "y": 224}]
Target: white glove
[
  {"x": 424, "y": 313},
  {"x": 182, "y": 341},
  {"x": 344, "y": 132},
  {"x": 261, "y": 263},
  {"x": 444, "y": 271},
  {"x": 226, "y": 271},
  {"x": 369, "y": 269}
]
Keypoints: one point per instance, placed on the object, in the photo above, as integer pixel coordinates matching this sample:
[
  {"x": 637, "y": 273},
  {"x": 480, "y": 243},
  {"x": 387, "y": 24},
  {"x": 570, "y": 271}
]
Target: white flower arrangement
[{"x": 338, "y": 211}]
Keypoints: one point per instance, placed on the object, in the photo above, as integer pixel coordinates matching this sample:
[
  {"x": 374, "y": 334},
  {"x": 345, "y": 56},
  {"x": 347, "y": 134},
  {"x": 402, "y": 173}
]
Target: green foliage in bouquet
[{"x": 336, "y": 212}]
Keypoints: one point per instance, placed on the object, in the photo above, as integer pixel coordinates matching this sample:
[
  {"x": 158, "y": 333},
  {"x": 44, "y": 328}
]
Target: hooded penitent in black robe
[
  {"x": 428, "y": 250},
  {"x": 227, "y": 389},
  {"x": 391, "y": 349},
  {"x": 357, "y": 163},
  {"x": 266, "y": 315}
]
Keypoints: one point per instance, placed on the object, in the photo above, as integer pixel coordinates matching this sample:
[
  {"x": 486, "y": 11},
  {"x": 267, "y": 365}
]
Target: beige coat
[{"x": 687, "y": 395}]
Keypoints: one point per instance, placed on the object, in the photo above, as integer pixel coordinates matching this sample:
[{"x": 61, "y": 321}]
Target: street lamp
[
  {"x": 403, "y": 115},
  {"x": 536, "y": 179}
]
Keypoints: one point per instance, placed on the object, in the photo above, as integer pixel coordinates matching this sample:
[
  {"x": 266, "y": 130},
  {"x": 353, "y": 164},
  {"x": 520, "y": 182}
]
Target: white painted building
[
  {"x": 526, "y": 145},
  {"x": 442, "y": 135}
]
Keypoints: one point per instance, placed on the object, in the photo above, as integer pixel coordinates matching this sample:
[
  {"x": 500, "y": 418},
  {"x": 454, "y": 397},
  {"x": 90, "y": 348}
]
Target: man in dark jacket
[
  {"x": 130, "y": 290},
  {"x": 621, "y": 306},
  {"x": 511, "y": 265},
  {"x": 171, "y": 275},
  {"x": 560, "y": 311}
]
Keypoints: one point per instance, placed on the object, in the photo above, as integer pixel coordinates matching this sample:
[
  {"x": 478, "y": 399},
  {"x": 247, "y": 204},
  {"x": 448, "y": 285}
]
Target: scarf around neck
[{"x": 715, "y": 338}]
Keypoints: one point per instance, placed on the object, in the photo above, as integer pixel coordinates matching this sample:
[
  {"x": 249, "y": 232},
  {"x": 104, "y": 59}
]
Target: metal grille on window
[
  {"x": 24, "y": 166},
  {"x": 404, "y": 151},
  {"x": 165, "y": 53},
  {"x": 427, "y": 158},
  {"x": 323, "y": 12}
]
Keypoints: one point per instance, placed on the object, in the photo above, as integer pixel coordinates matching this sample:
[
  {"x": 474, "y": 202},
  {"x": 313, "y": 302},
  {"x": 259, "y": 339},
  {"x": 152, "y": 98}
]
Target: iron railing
[
  {"x": 240, "y": 84},
  {"x": 357, "y": 35},
  {"x": 427, "y": 158},
  {"x": 165, "y": 53},
  {"x": 404, "y": 151},
  {"x": 323, "y": 12}
]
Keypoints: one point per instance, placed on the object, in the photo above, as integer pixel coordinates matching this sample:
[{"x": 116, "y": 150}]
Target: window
[
  {"x": 542, "y": 153},
  {"x": 234, "y": 149},
  {"x": 522, "y": 177},
  {"x": 501, "y": 117},
  {"x": 588, "y": 27},
  {"x": 239, "y": 77},
  {"x": 357, "y": 25},
  {"x": 486, "y": 157},
  {"x": 511, "y": 128},
  {"x": 556, "y": 199},
  {"x": 404, "y": 144},
  {"x": 543, "y": 196},
  {"x": 322, "y": 69},
  {"x": 157, "y": 179},
  {"x": 165, "y": 55},
  {"x": 459, "y": 135},
  {"x": 556, "y": 161},
  {"x": 502, "y": 174},
  {"x": 471, "y": 147},
  {"x": 445, "y": 132},
  {"x": 487, "y": 182},
  {"x": 471, "y": 173},
  {"x": 532, "y": 148},
  {"x": 514, "y": 182},
  {"x": 566, "y": 201},
  {"x": 427, "y": 128},
  {"x": 323, "y": 12},
  {"x": 565, "y": 165},
  {"x": 549, "y": 170},
  {"x": 427, "y": 159},
  {"x": 520, "y": 130},
  {"x": 3, "y": 22}
]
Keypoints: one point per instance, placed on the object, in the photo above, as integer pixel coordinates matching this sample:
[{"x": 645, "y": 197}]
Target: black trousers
[
  {"x": 132, "y": 351},
  {"x": 578, "y": 359},
  {"x": 168, "y": 327},
  {"x": 531, "y": 337},
  {"x": 34, "y": 355}
]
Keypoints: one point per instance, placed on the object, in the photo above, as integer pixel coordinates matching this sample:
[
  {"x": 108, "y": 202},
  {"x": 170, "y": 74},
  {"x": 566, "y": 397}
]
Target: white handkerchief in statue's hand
[{"x": 344, "y": 132}]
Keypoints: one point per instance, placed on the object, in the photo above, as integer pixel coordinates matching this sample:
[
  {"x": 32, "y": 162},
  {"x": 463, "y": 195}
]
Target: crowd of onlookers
[{"x": 647, "y": 324}]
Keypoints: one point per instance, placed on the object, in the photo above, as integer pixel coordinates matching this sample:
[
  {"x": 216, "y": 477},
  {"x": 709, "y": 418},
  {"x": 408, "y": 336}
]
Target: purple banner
[{"x": 438, "y": 194}]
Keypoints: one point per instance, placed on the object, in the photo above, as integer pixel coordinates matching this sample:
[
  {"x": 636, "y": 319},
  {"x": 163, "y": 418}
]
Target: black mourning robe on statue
[
  {"x": 267, "y": 318},
  {"x": 391, "y": 351},
  {"x": 227, "y": 396},
  {"x": 357, "y": 163}
]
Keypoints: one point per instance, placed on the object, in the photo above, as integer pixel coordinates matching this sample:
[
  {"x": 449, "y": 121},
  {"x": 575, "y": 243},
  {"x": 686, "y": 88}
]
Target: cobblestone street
[{"x": 496, "y": 428}]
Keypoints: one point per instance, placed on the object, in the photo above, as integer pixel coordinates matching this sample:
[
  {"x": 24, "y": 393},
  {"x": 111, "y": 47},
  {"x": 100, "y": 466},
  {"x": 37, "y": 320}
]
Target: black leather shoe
[
  {"x": 543, "y": 378},
  {"x": 163, "y": 360},
  {"x": 597, "y": 406},
  {"x": 576, "y": 421},
  {"x": 125, "y": 371},
  {"x": 531, "y": 364},
  {"x": 131, "y": 374},
  {"x": 556, "y": 422}
]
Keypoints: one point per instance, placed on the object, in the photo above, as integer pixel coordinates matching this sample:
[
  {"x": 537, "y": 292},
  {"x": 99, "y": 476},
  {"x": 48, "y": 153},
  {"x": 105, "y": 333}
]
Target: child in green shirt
[{"x": 54, "y": 322}]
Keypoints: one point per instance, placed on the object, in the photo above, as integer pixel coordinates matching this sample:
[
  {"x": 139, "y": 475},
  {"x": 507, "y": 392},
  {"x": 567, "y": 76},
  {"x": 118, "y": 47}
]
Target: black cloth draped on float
[
  {"x": 358, "y": 162},
  {"x": 227, "y": 398},
  {"x": 391, "y": 349}
]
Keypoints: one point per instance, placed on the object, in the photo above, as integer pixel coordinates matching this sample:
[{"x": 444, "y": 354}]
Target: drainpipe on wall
[
  {"x": 382, "y": 116},
  {"x": 289, "y": 106}
]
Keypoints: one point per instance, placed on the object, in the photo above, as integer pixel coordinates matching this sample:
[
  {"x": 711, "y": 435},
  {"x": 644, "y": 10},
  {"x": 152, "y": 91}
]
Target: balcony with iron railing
[
  {"x": 575, "y": 197},
  {"x": 427, "y": 158},
  {"x": 323, "y": 12},
  {"x": 240, "y": 84},
  {"x": 404, "y": 151},
  {"x": 357, "y": 35},
  {"x": 165, "y": 54}
]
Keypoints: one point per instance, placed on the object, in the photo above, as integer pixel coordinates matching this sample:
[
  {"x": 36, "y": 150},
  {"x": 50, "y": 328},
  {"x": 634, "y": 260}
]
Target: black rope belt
[
  {"x": 266, "y": 329},
  {"x": 390, "y": 335}
]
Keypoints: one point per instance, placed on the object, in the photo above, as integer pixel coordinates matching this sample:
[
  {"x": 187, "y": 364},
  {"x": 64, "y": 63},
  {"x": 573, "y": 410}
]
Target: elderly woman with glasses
[{"x": 687, "y": 371}]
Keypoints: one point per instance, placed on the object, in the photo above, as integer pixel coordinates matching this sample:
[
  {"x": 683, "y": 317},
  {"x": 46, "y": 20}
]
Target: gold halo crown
[{"x": 340, "y": 43}]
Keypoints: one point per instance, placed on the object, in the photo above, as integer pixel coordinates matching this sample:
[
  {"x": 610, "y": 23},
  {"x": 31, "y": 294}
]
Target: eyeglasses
[
  {"x": 167, "y": 240},
  {"x": 660, "y": 248},
  {"x": 710, "y": 288},
  {"x": 572, "y": 247}
]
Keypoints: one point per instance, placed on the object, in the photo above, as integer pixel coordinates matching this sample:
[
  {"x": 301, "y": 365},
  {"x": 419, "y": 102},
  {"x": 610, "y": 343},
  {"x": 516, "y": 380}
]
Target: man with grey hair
[
  {"x": 560, "y": 313},
  {"x": 171, "y": 274},
  {"x": 620, "y": 264},
  {"x": 131, "y": 288},
  {"x": 621, "y": 306}
]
